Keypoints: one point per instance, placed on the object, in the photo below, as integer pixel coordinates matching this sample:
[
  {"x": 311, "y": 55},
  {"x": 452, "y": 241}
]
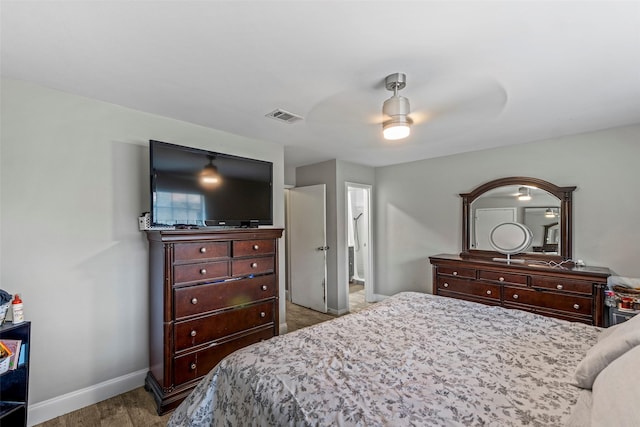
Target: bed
[{"x": 419, "y": 359}]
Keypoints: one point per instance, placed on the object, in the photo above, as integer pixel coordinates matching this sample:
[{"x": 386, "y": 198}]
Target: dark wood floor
[{"x": 137, "y": 409}]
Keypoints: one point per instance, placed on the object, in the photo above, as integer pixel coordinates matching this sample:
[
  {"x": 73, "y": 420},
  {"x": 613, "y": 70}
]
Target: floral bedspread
[{"x": 412, "y": 359}]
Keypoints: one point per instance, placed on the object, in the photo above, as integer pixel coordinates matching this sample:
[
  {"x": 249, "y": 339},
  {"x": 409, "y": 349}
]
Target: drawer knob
[
  {"x": 193, "y": 366},
  {"x": 194, "y": 300},
  {"x": 256, "y": 247},
  {"x": 264, "y": 287},
  {"x": 501, "y": 279},
  {"x": 559, "y": 286},
  {"x": 254, "y": 264},
  {"x": 193, "y": 333},
  {"x": 576, "y": 306},
  {"x": 455, "y": 273},
  {"x": 203, "y": 271},
  {"x": 263, "y": 314},
  {"x": 488, "y": 292},
  {"x": 446, "y": 285},
  {"x": 515, "y": 296},
  {"x": 203, "y": 250}
]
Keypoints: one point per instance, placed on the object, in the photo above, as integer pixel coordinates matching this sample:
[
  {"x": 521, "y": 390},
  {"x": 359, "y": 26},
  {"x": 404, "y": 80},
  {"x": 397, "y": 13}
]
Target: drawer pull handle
[
  {"x": 194, "y": 301},
  {"x": 264, "y": 287},
  {"x": 488, "y": 292},
  {"x": 515, "y": 296},
  {"x": 559, "y": 286},
  {"x": 256, "y": 247},
  {"x": 446, "y": 285},
  {"x": 263, "y": 314},
  {"x": 254, "y": 264},
  {"x": 203, "y": 271},
  {"x": 455, "y": 273},
  {"x": 203, "y": 250},
  {"x": 576, "y": 306},
  {"x": 193, "y": 366},
  {"x": 193, "y": 333},
  {"x": 501, "y": 279}
]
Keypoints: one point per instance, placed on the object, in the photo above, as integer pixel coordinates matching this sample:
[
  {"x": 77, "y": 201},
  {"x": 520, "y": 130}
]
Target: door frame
[{"x": 369, "y": 276}]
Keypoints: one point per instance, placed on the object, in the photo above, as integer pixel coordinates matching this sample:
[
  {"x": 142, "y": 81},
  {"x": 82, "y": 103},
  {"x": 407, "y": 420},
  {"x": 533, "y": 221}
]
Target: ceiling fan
[{"x": 444, "y": 107}]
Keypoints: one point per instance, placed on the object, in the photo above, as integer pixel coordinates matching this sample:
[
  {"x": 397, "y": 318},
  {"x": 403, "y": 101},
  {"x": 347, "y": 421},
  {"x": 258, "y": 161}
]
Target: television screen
[{"x": 190, "y": 186}]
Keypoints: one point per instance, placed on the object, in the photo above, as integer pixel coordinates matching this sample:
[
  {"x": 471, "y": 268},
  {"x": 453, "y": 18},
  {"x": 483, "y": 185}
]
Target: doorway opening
[{"x": 360, "y": 280}]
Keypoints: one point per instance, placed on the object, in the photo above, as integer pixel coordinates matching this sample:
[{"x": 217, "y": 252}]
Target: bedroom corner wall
[
  {"x": 418, "y": 206},
  {"x": 74, "y": 179},
  {"x": 334, "y": 174}
]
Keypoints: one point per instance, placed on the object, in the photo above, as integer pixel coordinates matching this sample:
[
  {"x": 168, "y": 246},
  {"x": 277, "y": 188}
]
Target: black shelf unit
[{"x": 14, "y": 384}]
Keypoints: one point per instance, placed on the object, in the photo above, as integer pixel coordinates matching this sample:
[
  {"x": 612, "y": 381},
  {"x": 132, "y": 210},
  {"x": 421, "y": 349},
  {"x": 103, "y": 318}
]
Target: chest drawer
[
  {"x": 243, "y": 248},
  {"x": 568, "y": 303},
  {"x": 501, "y": 277},
  {"x": 200, "y": 251},
  {"x": 201, "y": 272},
  {"x": 257, "y": 265},
  {"x": 555, "y": 283},
  {"x": 193, "y": 300},
  {"x": 467, "y": 273},
  {"x": 204, "y": 329},
  {"x": 195, "y": 365},
  {"x": 469, "y": 287}
]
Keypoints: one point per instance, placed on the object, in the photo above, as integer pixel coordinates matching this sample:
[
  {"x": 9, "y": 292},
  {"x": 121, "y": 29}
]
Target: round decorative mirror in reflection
[{"x": 510, "y": 238}]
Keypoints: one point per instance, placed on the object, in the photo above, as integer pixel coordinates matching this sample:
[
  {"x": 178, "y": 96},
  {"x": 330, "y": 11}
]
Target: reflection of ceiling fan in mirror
[{"x": 442, "y": 106}]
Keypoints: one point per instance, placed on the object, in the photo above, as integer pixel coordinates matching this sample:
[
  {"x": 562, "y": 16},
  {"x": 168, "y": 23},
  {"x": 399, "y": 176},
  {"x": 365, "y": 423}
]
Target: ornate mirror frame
[{"x": 564, "y": 194}]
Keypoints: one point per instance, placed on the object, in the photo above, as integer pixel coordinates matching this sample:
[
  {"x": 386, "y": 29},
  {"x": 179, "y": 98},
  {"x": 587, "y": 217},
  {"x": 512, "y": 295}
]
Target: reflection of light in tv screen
[{"x": 198, "y": 187}]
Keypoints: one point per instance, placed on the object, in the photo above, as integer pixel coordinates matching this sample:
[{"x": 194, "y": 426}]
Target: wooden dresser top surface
[{"x": 528, "y": 267}]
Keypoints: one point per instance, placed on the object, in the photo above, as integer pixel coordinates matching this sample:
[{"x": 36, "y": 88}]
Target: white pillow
[
  {"x": 617, "y": 342},
  {"x": 616, "y": 393}
]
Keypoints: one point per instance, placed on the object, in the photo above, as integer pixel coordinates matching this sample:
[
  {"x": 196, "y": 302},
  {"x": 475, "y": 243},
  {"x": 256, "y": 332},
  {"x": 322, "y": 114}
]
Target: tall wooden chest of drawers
[
  {"x": 575, "y": 294},
  {"x": 211, "y": 293}
]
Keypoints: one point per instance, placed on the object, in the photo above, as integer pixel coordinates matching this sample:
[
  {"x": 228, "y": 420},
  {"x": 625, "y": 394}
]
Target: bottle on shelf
[
  {"x": 16, "y": 309},
  {"x": 610, "y": 298}
]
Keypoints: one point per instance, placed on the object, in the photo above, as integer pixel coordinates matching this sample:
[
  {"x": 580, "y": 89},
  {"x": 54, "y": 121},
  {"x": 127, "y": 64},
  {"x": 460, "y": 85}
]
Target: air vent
[{"x": 284, "y": 116}]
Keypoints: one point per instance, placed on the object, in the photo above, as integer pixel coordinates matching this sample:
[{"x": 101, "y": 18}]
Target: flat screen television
[{"x": 194, "y": 187}]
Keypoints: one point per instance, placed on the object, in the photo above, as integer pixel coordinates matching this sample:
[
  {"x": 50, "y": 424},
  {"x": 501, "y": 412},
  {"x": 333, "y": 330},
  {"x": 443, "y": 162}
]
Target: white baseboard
[
  {"x": 60, "y": 405},
  {"x": 379, "y": 297},
  {"x": 283, "y": 328}
]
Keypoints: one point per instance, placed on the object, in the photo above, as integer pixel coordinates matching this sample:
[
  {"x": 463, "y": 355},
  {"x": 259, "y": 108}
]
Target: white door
[
  {"x": 308, "y": 246},
  {"x": 485, "y": 220}
]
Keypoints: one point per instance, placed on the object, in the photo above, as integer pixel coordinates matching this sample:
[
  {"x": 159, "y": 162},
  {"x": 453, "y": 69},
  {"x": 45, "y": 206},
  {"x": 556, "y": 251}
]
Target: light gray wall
[
  {"x": 335, "y": 174},
  {"x": 74, "y": 179},
  {"x": 419, "y": 211}
]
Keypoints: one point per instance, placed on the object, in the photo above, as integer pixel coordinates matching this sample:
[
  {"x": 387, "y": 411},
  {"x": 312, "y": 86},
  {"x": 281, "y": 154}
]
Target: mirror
[
  {"x": 542, "y": 207},
  {"x": 510, "y": 238}
]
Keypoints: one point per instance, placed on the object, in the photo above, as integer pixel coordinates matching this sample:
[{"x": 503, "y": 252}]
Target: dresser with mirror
[{"x": 541, "y": 276}]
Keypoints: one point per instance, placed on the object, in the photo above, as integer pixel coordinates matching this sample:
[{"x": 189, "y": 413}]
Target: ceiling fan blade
[
  {"x": 470, "y": 101},
  {"x": 350, "y": 107}
]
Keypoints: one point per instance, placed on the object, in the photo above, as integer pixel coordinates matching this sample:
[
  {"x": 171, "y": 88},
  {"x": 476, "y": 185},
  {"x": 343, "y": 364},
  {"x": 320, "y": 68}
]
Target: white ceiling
[{"x": 481, "y": 74}]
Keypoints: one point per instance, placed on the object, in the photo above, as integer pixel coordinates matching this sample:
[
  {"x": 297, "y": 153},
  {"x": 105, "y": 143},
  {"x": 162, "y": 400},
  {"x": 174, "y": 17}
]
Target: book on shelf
[{"x": 15, "y": 346}]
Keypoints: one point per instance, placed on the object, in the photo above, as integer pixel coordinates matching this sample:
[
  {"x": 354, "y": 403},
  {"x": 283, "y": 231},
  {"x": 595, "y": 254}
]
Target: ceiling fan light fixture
[
  {"x": 397, "y": 108},
  {"x": 524, "y": 194},
  {"x": 209, "y": 175},
  {"x": 396, "y": 128}
]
